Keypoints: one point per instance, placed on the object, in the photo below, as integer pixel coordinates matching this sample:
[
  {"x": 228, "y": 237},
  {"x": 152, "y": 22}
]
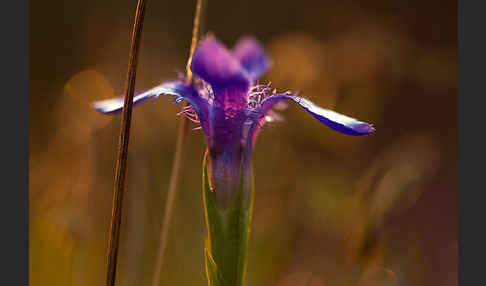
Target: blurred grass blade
[
  {"x": 178, "y": 160},
  {"x": 228, "y": 233}
]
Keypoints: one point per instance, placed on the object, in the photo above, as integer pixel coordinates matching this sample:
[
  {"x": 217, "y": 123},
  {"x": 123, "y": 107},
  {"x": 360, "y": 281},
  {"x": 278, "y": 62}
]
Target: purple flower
[{"x": 230, "y": 107}]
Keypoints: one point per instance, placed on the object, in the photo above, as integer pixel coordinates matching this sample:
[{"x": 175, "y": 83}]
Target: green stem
[{"x": 228, "y": 232}]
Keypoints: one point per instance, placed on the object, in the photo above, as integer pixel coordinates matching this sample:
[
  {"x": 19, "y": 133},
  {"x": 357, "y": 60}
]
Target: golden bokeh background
[{"x": 329, "y": 209}]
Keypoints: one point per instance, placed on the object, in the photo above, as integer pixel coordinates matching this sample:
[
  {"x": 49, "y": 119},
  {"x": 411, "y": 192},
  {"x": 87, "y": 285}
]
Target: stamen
[
  {"x": 258, "y": 93},
  {"x": 186, "y": 110},
  {"x": 189, "y": 113},
  {"x": 204, "y": 89}
]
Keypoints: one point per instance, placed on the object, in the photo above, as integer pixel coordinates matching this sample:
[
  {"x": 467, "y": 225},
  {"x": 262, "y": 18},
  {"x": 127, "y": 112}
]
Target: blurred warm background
[{"x": 330, "y": 209}]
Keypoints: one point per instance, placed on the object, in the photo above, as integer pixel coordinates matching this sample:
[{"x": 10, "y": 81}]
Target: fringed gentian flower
[{"x": 231, "y": 108}]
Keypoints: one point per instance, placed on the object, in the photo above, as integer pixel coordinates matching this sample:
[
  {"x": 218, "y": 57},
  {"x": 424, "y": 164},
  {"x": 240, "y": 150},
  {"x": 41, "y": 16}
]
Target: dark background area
[{"x": 329, "y": 209}]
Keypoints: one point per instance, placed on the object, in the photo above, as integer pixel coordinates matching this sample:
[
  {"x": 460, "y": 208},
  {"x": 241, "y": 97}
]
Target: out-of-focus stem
[
  {"x": 122, "y": 155},
  {"x": 195, "y": 31},
  {"x": 169, "y": 205},
  {"x": 177, "y": 163}
]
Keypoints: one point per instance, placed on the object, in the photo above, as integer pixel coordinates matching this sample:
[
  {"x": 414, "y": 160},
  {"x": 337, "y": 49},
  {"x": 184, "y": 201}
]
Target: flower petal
[
  {"x": 115, "y": 105},
  {"x": 215, "y": 64},
  {"x": 252, "y": 56},
  {"x": 334, "y": 120},
  {"x": 179, "y": 89}
]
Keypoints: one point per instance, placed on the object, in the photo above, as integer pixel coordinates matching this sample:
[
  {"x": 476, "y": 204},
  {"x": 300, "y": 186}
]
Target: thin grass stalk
[
  {"x": 177, "y": 163},
  {"x": 122, "y": 152}
]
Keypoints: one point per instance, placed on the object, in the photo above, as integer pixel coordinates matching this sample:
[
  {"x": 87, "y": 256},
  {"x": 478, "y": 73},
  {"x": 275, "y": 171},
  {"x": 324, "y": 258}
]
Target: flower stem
[
  {"x": 228, "y": 230},
  {"x": 122, "y": 153},
  {"x": 177, "y": 163}
]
